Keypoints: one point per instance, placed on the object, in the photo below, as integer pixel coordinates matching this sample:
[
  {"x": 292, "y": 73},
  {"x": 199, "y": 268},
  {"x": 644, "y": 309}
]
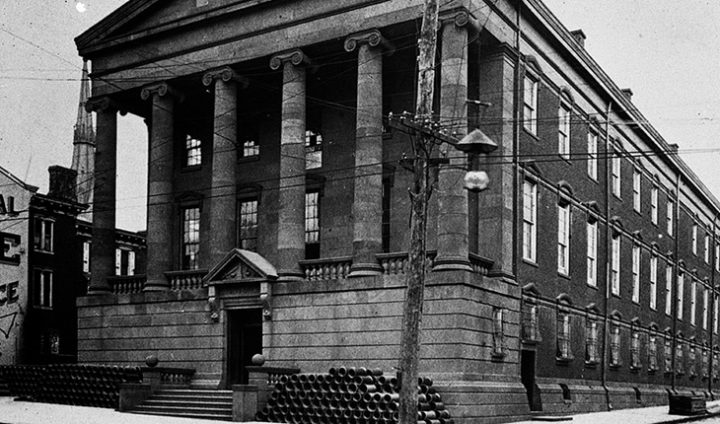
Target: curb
[{"x": 691, "y": 418}]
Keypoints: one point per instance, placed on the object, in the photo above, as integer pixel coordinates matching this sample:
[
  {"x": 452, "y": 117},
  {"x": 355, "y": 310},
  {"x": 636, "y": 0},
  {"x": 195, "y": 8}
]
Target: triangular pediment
[{"x": 240, "y": 265}]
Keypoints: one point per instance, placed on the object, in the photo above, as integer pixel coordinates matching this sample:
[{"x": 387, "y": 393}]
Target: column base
[
  {"x": 451, "y": 264},
  {"x": 290, "y": 275},
  {"x": 368, "y": 269}
]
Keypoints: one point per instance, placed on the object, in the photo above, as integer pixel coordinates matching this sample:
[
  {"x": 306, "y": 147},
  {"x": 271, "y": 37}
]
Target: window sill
[
  {"x": 563, "y": 275},
  {"x": 498, "y": 356},
  {"x": 531, "y": 134},
  {"x": 191, "y": 168},
  {"x": 592, "y": 286},
  {"x": 530, "y": 262},
  {"x": 635, "y": 370},
  {"x": 591, "y": 364},
  {"x": 615, "y": 366},
  {"x": 247, "y": 159},
  {"x": 10, "y": 261},
  {"x": 563, "y": 361},
  {"x": 43, "y": 308},
  {"x": 565, "y": 158},
  {"x": 44, "y": 252},
  {"x": 530, "y": 342}
]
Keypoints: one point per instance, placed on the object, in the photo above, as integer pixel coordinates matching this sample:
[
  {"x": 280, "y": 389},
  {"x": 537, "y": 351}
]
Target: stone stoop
[{"x": 198, "y": 403}]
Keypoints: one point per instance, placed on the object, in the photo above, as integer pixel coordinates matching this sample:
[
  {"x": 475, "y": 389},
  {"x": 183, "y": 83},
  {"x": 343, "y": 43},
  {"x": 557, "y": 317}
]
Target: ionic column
[
  {"x": 224, "y": 163},
  {"x": 452, "y": 243},
  {"x": 102, "y": 253},
  {"x": 367, "y": 204},
  {"x": 160, "y": 196},
  {"x": 291, "y": 194}
]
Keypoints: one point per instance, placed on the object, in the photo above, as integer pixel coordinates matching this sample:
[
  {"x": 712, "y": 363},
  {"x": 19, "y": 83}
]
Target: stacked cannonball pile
[
  {"x": 88, "y": 385},
  {"x": 348, "y": 396},
  {"x": 23, "y": 381}
]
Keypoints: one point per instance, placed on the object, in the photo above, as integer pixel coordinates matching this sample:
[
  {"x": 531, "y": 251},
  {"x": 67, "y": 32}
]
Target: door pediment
[{"x": 239, "y": 265}]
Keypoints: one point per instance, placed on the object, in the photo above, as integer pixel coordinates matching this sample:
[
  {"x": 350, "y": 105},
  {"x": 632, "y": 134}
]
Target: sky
[{"x": 667, "y": 52}]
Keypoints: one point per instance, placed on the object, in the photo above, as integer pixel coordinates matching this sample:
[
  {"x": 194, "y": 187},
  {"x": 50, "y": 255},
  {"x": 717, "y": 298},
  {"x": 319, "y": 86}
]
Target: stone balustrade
[
  {"x": 397, "y": 262},
  {"x": 326, "y": 269},
  {"x": 480, "y": 264},
  {"x": 127, "y": 284},
  {"x": 186, "y": 279}
]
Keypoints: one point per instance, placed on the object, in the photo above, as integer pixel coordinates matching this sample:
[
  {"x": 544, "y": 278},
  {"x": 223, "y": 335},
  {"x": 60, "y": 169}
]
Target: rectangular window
[
  {"x": 43, "y": 287},
  {"x": 124, "y": 262},
  {"x": 615, "y": 346},
  {"x": 591, "y": 343},
  {"x": 615, "y": 178},
  {"x": 564, "y": 132},
  {"x": 707, "y": 248},
  {"x": 717, "y": 257},
  {"x": 250, "y": 148},
  {"x": 653, "y": 281},
  {"x": 386, "y": 212},
  {"x": 193, "y": 151},
  {"x": 592, "y": 253},
  {"x": 668, "y": 355},
  {"x": 43, "y": 230},
  {"x": 498, "y": 332},
  {"x": 693, "y": 301},
  {"x": 669, "y": 217},
  {"x": 563, "y": 336},
  {"x": 668, "y": 289},
  {"x": 530, "y": 322},
  {"x": 86, "y": 256},
  {"x": 592, "y": 147},
  {"x": 530, "y": 108},
  {"x": 615, "y": 266},
  {"x": 249, "y": 224},
  {"x": 312, "y": 225},
  {"x": 563, "y": 239},
  {"x": 654, "y": 205},
  {"x": 706, "y": 302},
  {"x": 637, "y": 179},
  {"x": 635, "y": 350},
  {"x": 694, "y": 238},
  {"x": 652, "y": 353},
  {"x": 313, "y": 149},
  {"x": 190, "y": 238},
  {"x": 680, "y": 295},
  {"x": 636, "y": 274},
  {"x": 529, "y": 220},
  {"x": 716, "y": 309}
]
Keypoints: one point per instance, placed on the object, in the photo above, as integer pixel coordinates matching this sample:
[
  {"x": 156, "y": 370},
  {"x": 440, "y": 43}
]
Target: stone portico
[{"x": 294, "y": 160}]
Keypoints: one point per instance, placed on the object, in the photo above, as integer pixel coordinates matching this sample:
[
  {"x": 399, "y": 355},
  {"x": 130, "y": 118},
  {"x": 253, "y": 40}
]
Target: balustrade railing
[
  {"x": 397, "y": 262},
  {"x": 479, "y": 264},
  {"x": 326, "y": 269},
  {"x": 186, "y": 279},
  {"x": 127, "y": 284}
]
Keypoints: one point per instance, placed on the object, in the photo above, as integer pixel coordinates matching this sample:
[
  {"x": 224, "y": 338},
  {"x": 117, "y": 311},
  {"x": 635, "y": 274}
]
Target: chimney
[
  {"x": 674, "y": 147},
  {"x": 628, "y": 93},
  {"x": 62, "y": 183},
  {"x": 579, "y": 36}
]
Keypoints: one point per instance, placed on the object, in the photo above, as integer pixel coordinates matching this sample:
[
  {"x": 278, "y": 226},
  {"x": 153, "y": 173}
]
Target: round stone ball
[
  {"x": 151, "y": 361},
  {"x": 258, "y": 359}
]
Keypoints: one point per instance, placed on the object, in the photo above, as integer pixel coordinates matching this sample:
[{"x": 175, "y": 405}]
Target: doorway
[
  {"x": 244, "y": 339},
  {"x": 527, "y": 374}
]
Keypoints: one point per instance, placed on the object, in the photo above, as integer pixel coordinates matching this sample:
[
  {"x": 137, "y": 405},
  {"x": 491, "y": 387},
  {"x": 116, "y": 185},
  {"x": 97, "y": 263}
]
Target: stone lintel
[
  {"x": 294, "y": 56},
  {"x": 161, "y": 89},
  {"x": 373, "y": 38},
  {"x": 461, "y": 17},
  {"x": 226, "y": 74}
]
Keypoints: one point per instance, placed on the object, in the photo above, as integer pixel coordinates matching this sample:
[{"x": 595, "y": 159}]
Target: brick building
[{"x": 278, "y": 208}]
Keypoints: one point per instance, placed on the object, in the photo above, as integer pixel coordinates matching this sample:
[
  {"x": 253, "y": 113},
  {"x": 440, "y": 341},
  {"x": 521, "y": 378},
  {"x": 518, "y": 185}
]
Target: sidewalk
[
  {"x": 12, "y": 412},
  {"x": 649, "y": 415}
]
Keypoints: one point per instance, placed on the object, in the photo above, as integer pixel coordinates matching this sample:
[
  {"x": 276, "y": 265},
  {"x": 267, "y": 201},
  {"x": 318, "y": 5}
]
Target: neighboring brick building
[{"x": 255, "y": 143}]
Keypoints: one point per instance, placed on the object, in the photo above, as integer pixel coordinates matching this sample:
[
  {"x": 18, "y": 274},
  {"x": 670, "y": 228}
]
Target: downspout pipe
[
  {"x": 608, "y": 259},
  {"x": 676, "y": 268},
  {"x": 711, "y": 329}
]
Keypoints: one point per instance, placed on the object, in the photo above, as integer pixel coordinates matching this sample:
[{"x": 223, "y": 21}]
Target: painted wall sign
[{"x": 7, "y": 206}]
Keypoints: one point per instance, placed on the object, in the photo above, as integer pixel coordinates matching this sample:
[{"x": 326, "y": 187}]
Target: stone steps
[{"x": 199, "y": 403}]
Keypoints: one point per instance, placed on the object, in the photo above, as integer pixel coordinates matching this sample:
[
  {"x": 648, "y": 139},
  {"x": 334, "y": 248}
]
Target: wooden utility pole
[{"x": 420, "y": 192}]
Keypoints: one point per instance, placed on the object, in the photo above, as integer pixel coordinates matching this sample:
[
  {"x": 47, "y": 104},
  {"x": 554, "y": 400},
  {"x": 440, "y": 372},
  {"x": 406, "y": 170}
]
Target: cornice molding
[{"x": 103, "y": 104}]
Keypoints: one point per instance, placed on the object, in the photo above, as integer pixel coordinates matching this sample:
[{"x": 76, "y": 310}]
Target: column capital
[
  {"x": 161, "y": 89},
  {"x": 226, "y": 74},
  {"x": 103, "y": 104},
  {"x": 294, "y": 56},
  {"x": 372, "y": 38},
  {"x": 461, "y": 17}
]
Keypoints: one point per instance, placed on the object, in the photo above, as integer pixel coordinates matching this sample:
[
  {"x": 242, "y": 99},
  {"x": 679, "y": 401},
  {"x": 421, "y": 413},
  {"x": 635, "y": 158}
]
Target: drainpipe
[
  {"x": 676, "y": 267},
  {"x": 608, "y": 258},
  {"x": 712, "y": 306}
]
